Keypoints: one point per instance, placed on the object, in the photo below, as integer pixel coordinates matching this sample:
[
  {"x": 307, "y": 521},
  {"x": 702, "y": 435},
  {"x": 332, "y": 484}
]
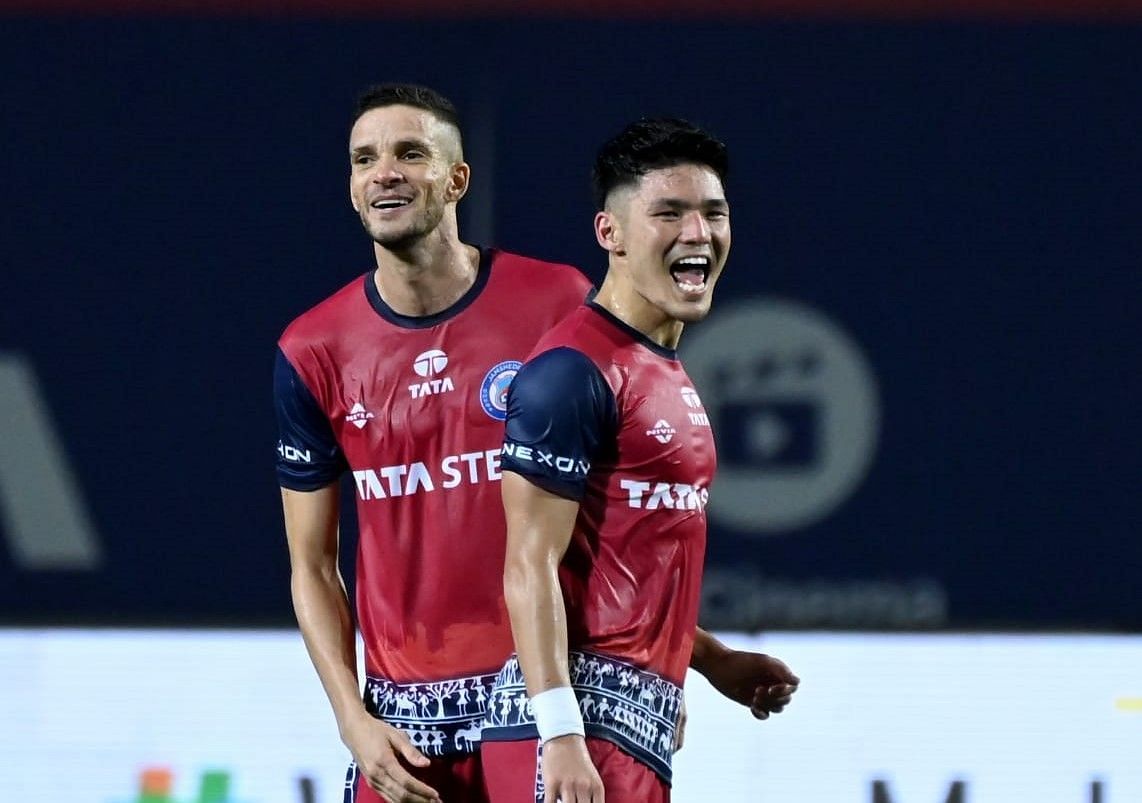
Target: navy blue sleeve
[
  {"x": 308, "y": 455},
  {"x": 562, "y": 416}
]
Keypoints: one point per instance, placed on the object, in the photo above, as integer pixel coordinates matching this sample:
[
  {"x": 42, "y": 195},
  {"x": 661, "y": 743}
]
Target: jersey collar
[
  {"x": 487, "y": 255},
  {"x": 660, "y": 350}
]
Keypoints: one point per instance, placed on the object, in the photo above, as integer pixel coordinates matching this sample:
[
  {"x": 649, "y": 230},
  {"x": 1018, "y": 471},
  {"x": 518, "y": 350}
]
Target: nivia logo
[
  {"x": 662, "y": 431},
  {"x": 430, "y": 363},
  {"x": 359, "y": 416},
  {"x": 494, "y": 388}
]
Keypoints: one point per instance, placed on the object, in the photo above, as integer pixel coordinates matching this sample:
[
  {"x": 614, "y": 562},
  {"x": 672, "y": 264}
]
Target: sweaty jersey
[
  {"x": 414, "y": 408},
  {"x": 603, "y": 415}
]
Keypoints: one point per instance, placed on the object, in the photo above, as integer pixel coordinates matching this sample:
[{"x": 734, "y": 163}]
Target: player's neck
[
  {"x": 630, "y": 307},
  {"x": 426, "y": 278}
]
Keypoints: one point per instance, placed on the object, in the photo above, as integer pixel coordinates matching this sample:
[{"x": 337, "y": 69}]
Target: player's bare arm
[
  {"x": 680, "y": 727},
  {"x": 539, "y": 527},
  {"x": 761, "y": 682},
  {"x": 322, "y": 609}
]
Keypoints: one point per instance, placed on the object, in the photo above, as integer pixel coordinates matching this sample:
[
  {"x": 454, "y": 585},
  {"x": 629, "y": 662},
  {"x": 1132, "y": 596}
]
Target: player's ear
[
  {"x": 458, "y": 179},
  {"x": 608, "y": 232},
  {"x": 353, "y": 200}
]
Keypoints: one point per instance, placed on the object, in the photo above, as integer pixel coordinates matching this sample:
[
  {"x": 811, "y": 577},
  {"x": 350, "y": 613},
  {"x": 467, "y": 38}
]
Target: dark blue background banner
[{"x": 922, "y": 366}]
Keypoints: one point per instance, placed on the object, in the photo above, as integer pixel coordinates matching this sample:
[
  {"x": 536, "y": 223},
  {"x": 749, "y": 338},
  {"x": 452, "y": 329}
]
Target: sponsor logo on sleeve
[
  {"x": 294, "y": 454},
  {"x": 564, "y": 465}
]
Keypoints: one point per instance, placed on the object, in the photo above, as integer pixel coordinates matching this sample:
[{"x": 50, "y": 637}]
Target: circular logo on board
[
  {"x": 494, "y": 388},
  {"x": 795, "y": 410}
]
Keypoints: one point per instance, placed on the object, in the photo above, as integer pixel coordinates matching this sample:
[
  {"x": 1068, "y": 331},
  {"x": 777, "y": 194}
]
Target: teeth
[
  {"x": 701, "y": 261},
  {"x": 392, "y": 204}
]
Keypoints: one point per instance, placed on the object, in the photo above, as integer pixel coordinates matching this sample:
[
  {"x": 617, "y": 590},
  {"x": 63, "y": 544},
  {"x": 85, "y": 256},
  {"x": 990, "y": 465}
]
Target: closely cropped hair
[
  {"x": 652, "y": 144},
  {"x": 419, "y": 97}
]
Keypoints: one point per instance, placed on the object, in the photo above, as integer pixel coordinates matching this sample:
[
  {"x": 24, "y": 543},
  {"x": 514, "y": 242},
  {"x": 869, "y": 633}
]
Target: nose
[
  {"x": 386, "y": 172},
  {"x": 695, "y": 228}
]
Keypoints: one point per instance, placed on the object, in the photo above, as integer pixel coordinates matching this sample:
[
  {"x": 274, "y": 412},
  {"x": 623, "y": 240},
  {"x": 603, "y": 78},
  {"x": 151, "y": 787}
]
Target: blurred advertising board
[{"x": 114, "y": 716}]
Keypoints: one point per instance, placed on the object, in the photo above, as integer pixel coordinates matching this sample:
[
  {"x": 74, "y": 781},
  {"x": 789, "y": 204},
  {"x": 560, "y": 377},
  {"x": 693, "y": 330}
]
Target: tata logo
[
  {"x": 664, "y": 495},
  {"x": 428, "y": 364},
  {"x": 690, "y": 397},
  {"x": 419, "y": 390},
  {"x": 469, "y": 468}
]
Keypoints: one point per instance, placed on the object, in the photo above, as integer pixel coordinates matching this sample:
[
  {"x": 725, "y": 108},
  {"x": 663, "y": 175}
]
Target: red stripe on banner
[{"x": 1076, "y": 10}]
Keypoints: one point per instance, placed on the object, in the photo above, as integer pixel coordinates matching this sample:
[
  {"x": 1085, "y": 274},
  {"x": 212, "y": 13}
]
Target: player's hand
[
  {"x": 680, "y": 727},
  {"x": 381, "y": 752},
  {"x": 568, "y": 774},
  {"x": 753, "y": 679}
]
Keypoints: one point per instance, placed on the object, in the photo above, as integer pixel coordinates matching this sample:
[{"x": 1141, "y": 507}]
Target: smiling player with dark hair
[{"x": 606, "y": 479}]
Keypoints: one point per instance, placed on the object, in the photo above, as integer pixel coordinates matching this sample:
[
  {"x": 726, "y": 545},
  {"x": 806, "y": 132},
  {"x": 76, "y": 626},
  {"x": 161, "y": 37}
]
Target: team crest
[{"x": 494, "y": 390}]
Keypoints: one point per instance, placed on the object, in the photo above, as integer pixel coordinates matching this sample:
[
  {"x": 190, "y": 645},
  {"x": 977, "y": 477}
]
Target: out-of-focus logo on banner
[
  {"x": 156, "y": 785},
  {"x": 795, "y": 411},
  {"x": 43, "y": 516}
]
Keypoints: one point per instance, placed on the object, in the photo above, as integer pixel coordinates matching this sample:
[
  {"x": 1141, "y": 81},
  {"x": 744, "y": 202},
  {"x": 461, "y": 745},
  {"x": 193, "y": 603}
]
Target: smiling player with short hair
[
  {"x": 400, "y": 379},
  {"x": 606, "y": 479}
]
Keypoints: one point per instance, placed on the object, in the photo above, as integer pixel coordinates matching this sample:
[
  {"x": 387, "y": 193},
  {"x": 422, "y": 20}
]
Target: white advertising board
[
  {"x": 879, "y": 719},
  {"x": 1012, "y": 719}
]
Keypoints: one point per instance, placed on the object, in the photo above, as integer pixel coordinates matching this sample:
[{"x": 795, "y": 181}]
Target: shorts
[
  {"x": 512, "y": 773},
  {"x": 458, "y": 779}
]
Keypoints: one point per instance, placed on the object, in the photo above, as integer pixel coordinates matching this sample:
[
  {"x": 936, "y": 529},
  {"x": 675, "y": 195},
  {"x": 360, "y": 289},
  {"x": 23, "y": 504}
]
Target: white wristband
[{"x": 557, "y": 713}]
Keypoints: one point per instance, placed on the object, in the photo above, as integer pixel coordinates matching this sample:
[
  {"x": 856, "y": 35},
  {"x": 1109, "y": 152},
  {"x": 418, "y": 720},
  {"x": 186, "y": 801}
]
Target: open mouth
[
  {"x": 385, "y": 204},
  {"x": 690, "y": 273}
]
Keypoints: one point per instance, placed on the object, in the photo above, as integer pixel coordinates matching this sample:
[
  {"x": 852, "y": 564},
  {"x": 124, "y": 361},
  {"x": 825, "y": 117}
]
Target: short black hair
[
  {"x": 419, "y": 97},
  {"x": 651, "y": 144}
]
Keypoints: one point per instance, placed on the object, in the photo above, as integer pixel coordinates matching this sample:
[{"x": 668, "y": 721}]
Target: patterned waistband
[
  {"x": 635, "y": 709},
  {"x": 441, "y": 718}
]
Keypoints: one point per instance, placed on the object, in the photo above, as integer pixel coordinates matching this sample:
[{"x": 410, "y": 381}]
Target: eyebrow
[
  {"x": 399, "y": 145},
  {"x": 678, "y": 203}
]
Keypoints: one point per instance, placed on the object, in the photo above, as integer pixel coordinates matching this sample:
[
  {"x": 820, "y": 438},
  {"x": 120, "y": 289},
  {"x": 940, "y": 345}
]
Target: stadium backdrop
[{"x": 922, "y": 366}]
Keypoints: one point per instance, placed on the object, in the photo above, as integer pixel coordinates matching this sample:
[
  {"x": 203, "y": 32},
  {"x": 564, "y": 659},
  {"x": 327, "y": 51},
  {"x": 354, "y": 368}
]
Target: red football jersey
[
  {"x": 603, "y": 415},
  {"x": 414, "y": 408},
  {"x": 641, "y": 469}
]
